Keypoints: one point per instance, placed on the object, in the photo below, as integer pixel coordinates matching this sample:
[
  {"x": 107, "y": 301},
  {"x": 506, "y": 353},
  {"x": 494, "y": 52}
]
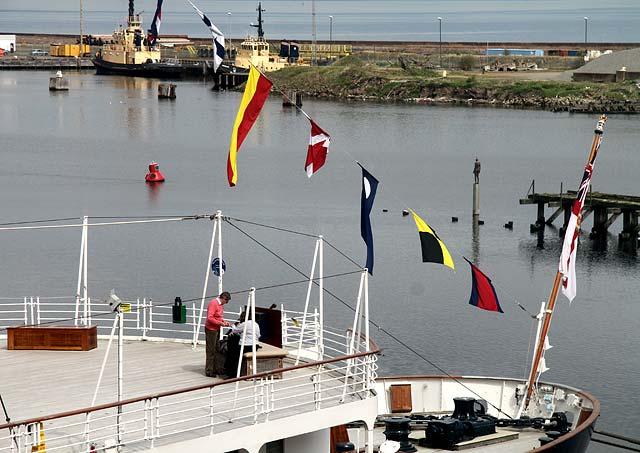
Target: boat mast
[
  {"x": 130, "y": 9},
  {"x": 556, "y": 283},
  {"x": 313, "y": 33},
  {"x": 259, "y": 25},
  {"x": 81, "y": 52}
]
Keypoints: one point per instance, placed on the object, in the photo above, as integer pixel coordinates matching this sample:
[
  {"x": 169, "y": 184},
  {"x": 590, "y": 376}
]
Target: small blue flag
[
  {"x": 369, "y": 188},
  {"x": 215, "y": 267}
]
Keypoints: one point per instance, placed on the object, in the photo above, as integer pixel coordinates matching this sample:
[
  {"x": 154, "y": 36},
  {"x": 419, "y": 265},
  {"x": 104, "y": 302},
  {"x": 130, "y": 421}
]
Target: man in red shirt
[{"x": 214, "y": 366}]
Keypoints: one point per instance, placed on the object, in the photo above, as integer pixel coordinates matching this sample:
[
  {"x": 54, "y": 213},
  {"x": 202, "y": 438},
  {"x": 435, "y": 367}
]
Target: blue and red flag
[
  {"x": 152, "y": 34},
  {"x": 483, "y": 294}
]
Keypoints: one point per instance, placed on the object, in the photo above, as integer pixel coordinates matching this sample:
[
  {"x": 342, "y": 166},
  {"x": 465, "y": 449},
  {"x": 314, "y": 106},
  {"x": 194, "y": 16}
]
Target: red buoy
[{"x": 154, "y": 175}]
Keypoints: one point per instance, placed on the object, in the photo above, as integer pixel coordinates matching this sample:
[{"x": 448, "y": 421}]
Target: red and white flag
[
  {"x": 318, "y": 149},
  {"x": 567, "y": 264}
]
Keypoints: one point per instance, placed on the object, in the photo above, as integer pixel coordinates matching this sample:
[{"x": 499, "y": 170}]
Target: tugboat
[
  {"x": 256, "y": 51},
  {"x": 132, "y": 53}
]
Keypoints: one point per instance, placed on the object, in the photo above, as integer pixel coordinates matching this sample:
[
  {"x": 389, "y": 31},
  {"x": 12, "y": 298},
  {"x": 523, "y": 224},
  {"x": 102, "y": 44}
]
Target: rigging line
[
  {"x": 341, "y": 253},
  {"x": 290, "y": 265},
  {"x": 285, "y": 230},
  {"x": 193, "y": 216},
  {"x": 4, "y": 408},
  {"x": 382, "y": 329},
  {"x": 300, "y": 233},
  {"x": 280, "y": 285},
  {"x": 65, "y": 219},
  {"x": 282, "y": 92},
  {"x": 38, "y": 221},
  {"x": 8, "y": 419},
  {"x": 80, "y": 225},
  {"x": 378, "y": 326},
  {"x": 266, "y": 248}
]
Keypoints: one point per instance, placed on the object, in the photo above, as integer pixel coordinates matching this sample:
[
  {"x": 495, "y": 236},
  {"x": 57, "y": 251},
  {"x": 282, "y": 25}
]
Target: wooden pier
[
  {"x": 226, "y": 80},
  {"x": 606, "y": 209}
]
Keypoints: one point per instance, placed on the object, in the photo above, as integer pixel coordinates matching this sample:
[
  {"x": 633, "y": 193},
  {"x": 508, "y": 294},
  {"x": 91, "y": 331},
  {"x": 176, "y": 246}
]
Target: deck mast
[{"x": 548, "y": 312}]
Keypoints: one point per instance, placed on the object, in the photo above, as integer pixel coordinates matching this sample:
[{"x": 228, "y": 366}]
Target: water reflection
[
  {"x": 137, "y": 84},
  {"x": 475, "y": 241},
  {"x": 153, "y": 192}
]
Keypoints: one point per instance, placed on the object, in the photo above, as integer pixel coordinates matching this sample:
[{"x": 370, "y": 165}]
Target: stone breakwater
[
  {"x": 562, "y": 104},
  {"x": 485, "y": 97}
]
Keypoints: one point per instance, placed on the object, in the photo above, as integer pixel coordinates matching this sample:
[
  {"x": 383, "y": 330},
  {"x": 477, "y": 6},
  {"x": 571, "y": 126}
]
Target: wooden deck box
[
  {"x": 268, "y": 358},
  {"x": 58, "y": 338}
]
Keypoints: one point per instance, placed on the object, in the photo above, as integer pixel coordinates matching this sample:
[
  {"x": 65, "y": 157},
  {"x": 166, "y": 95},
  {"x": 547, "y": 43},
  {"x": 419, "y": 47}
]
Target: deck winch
[
  {"x": 469, "y": 420},
  {"x": 397, "y": 429},
  {"x": 558, "y": 422}
]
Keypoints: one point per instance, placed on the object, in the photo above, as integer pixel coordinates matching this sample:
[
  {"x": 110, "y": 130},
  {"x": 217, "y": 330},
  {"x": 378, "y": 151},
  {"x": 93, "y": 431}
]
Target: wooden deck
[
  {"x": 41, "y": 383},
  {"x": 36, "y": 383}
]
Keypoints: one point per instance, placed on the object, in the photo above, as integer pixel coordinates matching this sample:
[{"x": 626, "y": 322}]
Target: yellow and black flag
[{"x": 433, "y": 250}]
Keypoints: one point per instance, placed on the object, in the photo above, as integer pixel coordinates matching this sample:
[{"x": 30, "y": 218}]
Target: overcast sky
[{"x": 462, "y": 20}]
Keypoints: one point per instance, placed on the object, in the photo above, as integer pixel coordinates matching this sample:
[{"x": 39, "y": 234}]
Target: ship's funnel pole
[{"x": 131, "y": 8}]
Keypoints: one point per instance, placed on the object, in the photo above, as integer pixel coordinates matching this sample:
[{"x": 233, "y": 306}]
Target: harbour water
[
  {"x": 86, "y": 151},
  {"x": 412, "y": 20}
]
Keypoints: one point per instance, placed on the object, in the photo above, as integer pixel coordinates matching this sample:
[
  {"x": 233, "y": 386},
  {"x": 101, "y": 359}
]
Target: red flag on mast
[{"x": 318, "y": 148}]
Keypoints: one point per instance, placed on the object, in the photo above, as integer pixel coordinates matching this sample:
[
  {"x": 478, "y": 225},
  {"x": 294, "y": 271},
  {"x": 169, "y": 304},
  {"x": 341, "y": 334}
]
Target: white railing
[
  {"x": 149, "y": 421},
  {"x": 149, "y": 319}
]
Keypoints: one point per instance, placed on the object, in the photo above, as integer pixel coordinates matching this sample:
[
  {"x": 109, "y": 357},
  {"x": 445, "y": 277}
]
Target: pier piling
[
  {"x": 606, "y": 208},
  {"x": 166, "y": 91},
  {"x": 476, "y": 202}
]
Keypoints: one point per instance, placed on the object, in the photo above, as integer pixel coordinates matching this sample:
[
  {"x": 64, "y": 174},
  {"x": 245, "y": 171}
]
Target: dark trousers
[
  {"x": 214, "y": 364},
  {"x": 233, "y": 354}
]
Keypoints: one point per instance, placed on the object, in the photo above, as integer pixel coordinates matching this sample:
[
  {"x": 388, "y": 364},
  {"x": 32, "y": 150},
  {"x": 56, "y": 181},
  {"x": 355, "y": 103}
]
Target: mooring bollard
[{"x": 58, "y": 83}]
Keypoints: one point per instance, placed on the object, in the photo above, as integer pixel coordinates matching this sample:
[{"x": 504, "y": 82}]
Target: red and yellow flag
[{"x": 255, "y": 94}]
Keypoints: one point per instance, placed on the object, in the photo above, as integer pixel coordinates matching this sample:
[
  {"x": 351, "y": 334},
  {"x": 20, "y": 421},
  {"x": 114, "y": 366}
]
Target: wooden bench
[
  {"x": 58, "y": 338},
  {"x": 268, "y": 358}
]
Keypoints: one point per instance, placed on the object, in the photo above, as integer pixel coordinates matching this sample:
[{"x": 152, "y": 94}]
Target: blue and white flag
[
  {"x": 218, "y": 39},
  {"x": 369, "y": 188},
  {"x": 152, "y": 35}
]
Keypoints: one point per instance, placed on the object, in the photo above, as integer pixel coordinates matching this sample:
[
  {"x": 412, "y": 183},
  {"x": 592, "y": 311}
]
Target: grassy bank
[{"x": 356, "y": 78}]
